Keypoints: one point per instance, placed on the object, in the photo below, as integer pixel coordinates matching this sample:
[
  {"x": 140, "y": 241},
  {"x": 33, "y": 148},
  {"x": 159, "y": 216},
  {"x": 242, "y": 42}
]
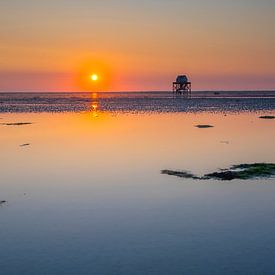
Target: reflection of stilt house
[{"x": 182, "y": 85}]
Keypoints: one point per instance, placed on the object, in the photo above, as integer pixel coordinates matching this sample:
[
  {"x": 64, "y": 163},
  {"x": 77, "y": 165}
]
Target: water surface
[{"x": 87, "y": 197}]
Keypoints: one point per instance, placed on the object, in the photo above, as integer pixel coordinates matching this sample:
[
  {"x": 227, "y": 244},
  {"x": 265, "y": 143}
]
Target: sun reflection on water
[{"x": 94, "y": 105}]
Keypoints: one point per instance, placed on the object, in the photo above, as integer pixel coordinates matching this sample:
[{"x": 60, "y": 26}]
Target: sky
[{"x": 136, "y": 45}]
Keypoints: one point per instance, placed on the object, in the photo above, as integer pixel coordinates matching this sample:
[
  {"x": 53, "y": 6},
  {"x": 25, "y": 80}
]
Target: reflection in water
[
  {"x": 87, "y": 197},
  {"x": 94, "y": 106},
  {"x": 94, "y": 109},
  {"x": 94, "y": 96}
]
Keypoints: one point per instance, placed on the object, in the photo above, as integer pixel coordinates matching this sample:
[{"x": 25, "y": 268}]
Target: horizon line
[{"x": 135, "y": 91}]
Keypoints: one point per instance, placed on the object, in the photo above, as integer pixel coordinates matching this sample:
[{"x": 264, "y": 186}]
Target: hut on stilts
[{"x": 182, "y": 85}]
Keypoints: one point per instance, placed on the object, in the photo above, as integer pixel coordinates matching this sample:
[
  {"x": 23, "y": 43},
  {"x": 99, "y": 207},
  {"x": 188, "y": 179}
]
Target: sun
[{"x": 94, "y": 77}]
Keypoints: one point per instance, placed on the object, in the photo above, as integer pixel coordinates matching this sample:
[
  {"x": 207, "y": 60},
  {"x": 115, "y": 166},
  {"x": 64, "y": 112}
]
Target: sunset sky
[{"x": 136, "y": 45}]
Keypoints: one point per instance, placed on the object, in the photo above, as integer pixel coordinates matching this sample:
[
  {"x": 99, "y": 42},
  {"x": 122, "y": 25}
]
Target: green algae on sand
[{"x": 240, "y": 171}]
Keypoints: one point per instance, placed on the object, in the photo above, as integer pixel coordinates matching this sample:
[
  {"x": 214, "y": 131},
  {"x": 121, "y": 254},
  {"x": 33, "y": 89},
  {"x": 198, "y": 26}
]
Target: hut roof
[{"x": 182, "y": 79}]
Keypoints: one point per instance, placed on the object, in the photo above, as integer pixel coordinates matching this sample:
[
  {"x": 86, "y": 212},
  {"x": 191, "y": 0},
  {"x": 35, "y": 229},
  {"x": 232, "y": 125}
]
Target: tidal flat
[{"x": 87, "y": 197}]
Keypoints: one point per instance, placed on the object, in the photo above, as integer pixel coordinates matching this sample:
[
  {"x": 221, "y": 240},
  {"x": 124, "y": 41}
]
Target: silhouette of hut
[{"x": 182, "y": 85}]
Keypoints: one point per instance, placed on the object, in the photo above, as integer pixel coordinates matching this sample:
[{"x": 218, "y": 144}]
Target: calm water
[{"x": 87, "y": 197}]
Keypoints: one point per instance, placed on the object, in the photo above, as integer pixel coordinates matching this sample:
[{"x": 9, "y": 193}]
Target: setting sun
[{"x": 94, "y": 77}]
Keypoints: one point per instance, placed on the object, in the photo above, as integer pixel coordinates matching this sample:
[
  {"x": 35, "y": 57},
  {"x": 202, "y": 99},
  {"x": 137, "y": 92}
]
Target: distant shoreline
[
  {"x": 237, "y": 101},
  {"x": 134, "y": 92}
]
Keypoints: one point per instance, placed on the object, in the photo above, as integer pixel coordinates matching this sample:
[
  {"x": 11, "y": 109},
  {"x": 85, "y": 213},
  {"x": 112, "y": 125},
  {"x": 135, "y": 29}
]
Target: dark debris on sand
[
  {"x": 3, "y": 202},
  {"x": 17, "y": 123},
  {"x": 204, "y": 126},
  {"x": 224, "y": 141},
  {"x": 267, "y": 117},
  {"x": 24, "y": 144},
  {"x": 241, "y": 171}
]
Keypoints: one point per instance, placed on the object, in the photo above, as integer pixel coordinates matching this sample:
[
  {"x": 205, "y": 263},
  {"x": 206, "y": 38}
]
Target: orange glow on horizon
[{"x": 93, "y": 76}]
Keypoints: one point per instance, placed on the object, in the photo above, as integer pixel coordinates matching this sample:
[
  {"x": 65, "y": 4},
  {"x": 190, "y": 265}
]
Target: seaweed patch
[
  {"x": 181, "y": 174},
  {"x": 240, "y": 171}
]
